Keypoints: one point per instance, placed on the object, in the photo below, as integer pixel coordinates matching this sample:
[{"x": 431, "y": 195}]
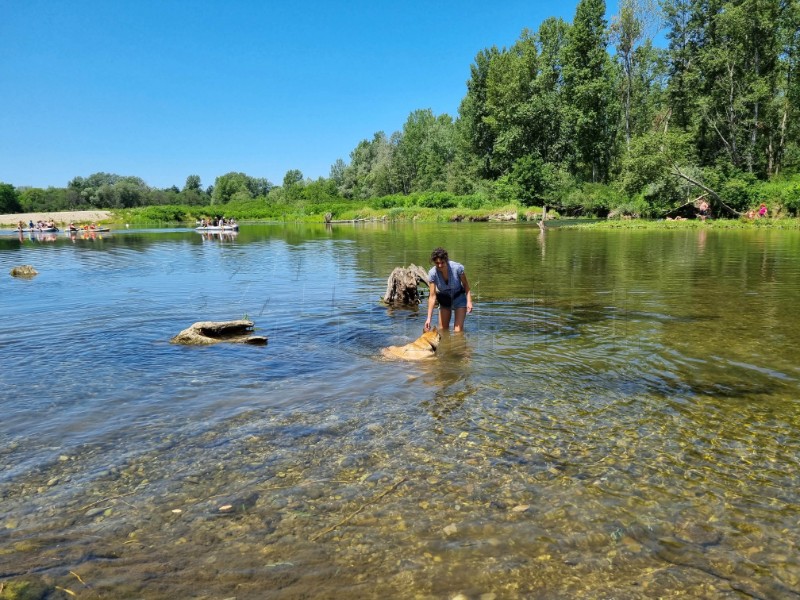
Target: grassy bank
[
  {"x": 258, "y": 212},
  {"x": 186, "y": 216},
  {"x": 661, "y": 224},
  {"x": 320, "y": 213}
]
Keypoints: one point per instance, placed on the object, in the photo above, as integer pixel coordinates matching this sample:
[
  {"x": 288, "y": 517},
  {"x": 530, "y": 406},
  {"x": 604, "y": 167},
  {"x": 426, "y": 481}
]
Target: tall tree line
[{"x": 598, "y": 102}]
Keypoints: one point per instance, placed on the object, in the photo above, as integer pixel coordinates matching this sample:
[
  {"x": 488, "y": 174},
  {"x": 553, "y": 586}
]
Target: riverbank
[
  {"x": 62, "y": 218},
  {"x": 59, "y": 218}
]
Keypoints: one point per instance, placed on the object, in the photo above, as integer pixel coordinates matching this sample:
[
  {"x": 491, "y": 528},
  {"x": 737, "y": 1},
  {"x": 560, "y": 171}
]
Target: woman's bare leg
[
  {"x": 461, "y": 315},
  {"x": 444, "y": 318}
]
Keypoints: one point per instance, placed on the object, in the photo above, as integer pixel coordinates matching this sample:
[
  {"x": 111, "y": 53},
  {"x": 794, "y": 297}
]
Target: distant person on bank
[{"x": 449, "y": 286}]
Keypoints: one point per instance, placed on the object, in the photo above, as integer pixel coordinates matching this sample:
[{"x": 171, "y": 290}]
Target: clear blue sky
[{"x": 163, "y": 89}]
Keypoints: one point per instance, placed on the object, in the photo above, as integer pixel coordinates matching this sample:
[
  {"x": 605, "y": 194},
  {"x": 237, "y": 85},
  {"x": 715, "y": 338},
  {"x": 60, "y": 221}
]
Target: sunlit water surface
[{"x": 620, "y": 420}]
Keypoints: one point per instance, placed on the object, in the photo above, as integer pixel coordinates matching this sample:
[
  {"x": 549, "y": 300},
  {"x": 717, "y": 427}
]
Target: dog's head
[{"x": 432, "y": 337}]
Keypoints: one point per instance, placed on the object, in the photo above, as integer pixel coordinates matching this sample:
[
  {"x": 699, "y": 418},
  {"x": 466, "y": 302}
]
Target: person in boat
[
  {"x": 450, "y": 288},
  {"x": 30, "y": 224},
  {"x": 20, "y": 226}
]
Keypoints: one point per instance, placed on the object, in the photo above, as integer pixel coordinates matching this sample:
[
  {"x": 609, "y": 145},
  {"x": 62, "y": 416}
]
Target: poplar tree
[
  {"x": 631, "y": 32},
  {"x": 588, "y": 83},
  {"x": 548, "y": 98},
  {"x": 478, "y": 135}
]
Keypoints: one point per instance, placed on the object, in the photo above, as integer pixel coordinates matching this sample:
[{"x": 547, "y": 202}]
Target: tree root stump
[
  {"x": 24, "y": 271},
  {"x": 401, "y": 287},
  {"x": 205, "y": 333}
]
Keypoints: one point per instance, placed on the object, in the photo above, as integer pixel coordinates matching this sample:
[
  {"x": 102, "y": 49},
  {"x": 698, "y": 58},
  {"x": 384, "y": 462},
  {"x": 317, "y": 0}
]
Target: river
[{"x": 620, "y": 418}]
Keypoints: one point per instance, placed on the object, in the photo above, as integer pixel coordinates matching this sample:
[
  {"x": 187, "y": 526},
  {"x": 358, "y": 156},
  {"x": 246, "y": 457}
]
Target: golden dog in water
[{"x": 423, "y": 347}]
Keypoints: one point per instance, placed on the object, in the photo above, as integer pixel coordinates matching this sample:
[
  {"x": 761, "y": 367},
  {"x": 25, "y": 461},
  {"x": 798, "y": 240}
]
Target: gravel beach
[{"x": 60, "y": 218}]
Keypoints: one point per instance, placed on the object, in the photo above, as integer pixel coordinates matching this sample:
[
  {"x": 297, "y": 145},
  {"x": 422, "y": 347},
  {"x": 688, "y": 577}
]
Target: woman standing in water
[{"x": 448, "y": 284}]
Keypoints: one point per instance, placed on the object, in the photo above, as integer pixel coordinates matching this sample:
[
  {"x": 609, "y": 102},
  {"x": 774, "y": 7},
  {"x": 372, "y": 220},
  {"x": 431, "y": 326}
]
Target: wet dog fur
[{"x": 423, "y": 347}]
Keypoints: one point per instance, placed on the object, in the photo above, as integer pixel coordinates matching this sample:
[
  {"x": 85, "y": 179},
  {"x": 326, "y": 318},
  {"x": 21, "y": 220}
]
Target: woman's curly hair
[{"x": 439, "y": 253}]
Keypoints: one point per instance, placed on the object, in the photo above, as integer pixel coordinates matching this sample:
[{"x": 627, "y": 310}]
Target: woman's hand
[{"x": 427, "y": 326}]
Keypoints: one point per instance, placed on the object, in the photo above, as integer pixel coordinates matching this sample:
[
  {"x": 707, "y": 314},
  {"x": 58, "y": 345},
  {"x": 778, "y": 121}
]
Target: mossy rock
[{"x": 24, "y": 271}]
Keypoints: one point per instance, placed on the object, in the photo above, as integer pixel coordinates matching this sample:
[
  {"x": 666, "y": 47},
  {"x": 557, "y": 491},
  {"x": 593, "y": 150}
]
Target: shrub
[
  {"x": 385, "y": 202},
  {"x": 437, "y": 200},
  {"x": 471, "y": 202},
  {"x": 635, "y": 207},
  {"x": 598, "y": 199},
  {"x": 790, "y": 198},
  {"x": 160, "y": 214},
  {"x": 739, "y": 194}
]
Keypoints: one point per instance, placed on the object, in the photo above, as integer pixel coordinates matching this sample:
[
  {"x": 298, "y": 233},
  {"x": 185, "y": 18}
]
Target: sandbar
[{"x": 59, "y": 218}]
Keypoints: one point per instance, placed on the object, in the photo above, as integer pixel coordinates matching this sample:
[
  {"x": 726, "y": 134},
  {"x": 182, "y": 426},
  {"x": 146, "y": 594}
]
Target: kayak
[{"x": 95, "y": 230}]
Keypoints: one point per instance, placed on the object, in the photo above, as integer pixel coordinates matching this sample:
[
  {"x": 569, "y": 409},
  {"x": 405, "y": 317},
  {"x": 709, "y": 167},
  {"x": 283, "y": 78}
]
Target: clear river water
[{"x": 620, "y": 419}]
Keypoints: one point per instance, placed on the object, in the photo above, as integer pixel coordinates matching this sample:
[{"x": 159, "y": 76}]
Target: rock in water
[{"x": 24, "y": 271}]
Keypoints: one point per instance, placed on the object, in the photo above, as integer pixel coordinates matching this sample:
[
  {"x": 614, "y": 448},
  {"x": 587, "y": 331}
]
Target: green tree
[
  {"x": 477, "y": 133},
  {"x": 293, "y": 185},
  {"x": 548, "y": 107},
  {"x": 320, "y": 191},
  {"x": 533, "y": 180},
  {"x": 630, "y": 28},
  {"x": 589, "y": 83},
  {"x": 685, "y": 33},
  {"x": 422, "y": 152},
  {"x": 226, "y": 186},
  {"x": 32, "y": 200},
  {"x": 785, "y": 140},
  {"x": 337, "y": 171},
  {"x": 292, "y": 177},
  {"x": 259, "y": 187},
  {"x": 192, "y": 184},
  {"x": 369, "y": 173},
  {"x": 9, "y": 199},
  {"x": 739, "y": 62},
  {"x": 509, "y": 92},
  {"x": 108, "y": 190},
  {"x": 728, "y": 86}
]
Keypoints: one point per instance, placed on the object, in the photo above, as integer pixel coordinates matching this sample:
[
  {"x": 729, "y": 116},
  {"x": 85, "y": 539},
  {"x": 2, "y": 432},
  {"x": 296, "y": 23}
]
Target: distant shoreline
[{"x": 59, "y": 217}]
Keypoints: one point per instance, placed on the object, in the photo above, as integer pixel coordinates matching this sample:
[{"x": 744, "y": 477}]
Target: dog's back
[{"x": 423, "y": 347}]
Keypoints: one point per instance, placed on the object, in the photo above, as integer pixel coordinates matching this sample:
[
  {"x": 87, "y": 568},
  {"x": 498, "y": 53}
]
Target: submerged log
[
  {"x": 401, "y": 288},
  {"x": 205, "y": 333},
  {"x": 24, "y": 271}
]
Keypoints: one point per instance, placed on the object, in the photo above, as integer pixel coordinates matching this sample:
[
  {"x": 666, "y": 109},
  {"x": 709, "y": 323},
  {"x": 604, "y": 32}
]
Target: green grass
[{"x": 785, "y": 223}]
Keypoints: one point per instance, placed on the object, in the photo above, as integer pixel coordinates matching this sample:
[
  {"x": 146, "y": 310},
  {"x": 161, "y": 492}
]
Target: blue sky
[{"x": 163, "y": 89}]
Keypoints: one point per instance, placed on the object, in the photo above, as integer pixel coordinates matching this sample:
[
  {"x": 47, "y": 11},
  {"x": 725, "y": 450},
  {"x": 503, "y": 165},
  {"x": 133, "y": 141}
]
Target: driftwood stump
[
  {"x": 205, "y": 333},
  {"x": 401, "y": 288}
]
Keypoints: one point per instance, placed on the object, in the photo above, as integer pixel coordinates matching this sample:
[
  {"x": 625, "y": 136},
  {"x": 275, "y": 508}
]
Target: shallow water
[{"x": 619, "y": 420}]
